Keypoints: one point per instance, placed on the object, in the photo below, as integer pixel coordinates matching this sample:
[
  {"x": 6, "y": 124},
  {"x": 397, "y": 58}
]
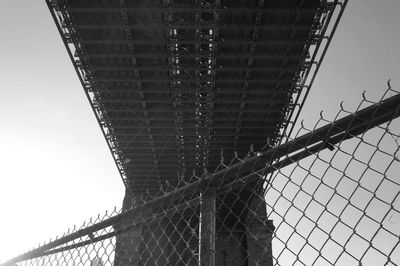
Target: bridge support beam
[
  {"x": 232, "y": 229},
  {"x": 127, "y": 246},
  {"x": 167, "y": 240},
  {"x": 207, "y": 227},
  {"x": 259, "y": 231},
  {"x": 244, "y": 233}
]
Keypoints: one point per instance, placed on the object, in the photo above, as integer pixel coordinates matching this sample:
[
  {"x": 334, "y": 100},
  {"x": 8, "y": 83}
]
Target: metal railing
[{"x": 330, "y": 196}]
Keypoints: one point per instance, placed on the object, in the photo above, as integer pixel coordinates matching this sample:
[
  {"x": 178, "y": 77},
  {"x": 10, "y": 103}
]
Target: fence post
[{"x": 207, "y": 227}]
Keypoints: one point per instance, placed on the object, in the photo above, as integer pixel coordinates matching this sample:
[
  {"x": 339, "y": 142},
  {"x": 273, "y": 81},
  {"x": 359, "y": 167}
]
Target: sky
[{"x": 55, "y": 166}]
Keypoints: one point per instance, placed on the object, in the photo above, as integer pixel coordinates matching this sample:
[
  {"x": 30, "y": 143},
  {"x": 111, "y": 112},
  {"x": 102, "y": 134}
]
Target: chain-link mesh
[{"x": 329, "y": 196}]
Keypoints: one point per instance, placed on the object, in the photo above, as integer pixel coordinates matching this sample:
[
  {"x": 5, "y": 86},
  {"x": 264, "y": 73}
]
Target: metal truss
[{"x": 204, "y": 63}]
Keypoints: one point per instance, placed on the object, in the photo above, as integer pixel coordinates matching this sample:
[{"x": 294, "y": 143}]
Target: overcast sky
[{"x": 55, "y": 167}]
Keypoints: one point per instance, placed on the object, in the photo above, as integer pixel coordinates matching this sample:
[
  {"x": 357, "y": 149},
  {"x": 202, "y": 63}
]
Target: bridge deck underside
[{"x": 174, "y": 83}]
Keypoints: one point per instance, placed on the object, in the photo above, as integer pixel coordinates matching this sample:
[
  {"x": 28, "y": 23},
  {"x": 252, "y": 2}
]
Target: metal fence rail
[{"x": 330, "y": 196}]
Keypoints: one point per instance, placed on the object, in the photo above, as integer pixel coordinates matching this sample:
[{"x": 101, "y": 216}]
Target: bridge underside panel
[{"x": 178, "y": 85}]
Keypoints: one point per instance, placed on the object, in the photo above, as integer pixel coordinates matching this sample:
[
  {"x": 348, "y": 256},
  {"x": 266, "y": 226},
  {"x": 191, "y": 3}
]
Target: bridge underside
[{"x": 177, "y": 85}]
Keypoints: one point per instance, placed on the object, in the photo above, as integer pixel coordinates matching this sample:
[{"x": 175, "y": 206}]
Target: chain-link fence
[{"x": 329, "y": 196}]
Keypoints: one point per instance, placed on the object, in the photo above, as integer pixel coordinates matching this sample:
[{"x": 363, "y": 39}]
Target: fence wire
[{"x": 329, "y": 196}]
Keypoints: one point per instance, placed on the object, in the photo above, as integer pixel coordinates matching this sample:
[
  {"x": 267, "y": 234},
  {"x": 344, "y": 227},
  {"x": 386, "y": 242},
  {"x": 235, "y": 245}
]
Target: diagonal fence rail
[{"x": 330, "y": 196}]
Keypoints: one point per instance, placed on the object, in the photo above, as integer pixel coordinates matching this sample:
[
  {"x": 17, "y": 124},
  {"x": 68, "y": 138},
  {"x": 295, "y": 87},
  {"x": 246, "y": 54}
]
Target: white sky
[{"x": 55, "y": 167}]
